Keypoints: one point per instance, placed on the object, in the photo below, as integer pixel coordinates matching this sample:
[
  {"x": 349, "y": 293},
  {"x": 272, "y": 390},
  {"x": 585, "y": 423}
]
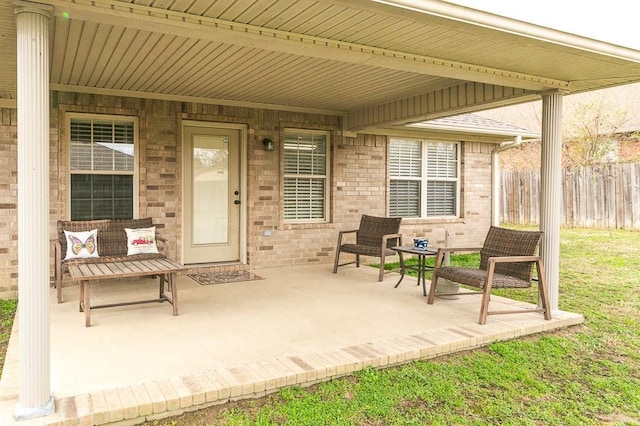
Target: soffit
[{"x": 330, "y": 56}]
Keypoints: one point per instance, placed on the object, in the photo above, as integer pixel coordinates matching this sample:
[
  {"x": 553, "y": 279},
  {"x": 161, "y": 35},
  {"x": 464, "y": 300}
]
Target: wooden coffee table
[{"x": 166, "y": 269}]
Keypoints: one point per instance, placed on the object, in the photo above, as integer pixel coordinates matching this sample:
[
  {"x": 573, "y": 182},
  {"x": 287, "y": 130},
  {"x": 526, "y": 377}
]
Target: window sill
[
  {"x": 306, "y": 225},
  {"x": 435, "y": 220}
]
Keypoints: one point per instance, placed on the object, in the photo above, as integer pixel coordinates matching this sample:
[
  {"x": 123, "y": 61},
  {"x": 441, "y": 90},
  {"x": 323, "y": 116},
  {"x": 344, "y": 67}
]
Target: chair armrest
[
  {"x": 444, "y": 250},
  {"x": 57, "y": 258},
  {"x": 341, "y": 233},
  {"x": 57, "y": 250},
  {"x": 513, "y": 259},
  {"x": 164, "y": 245},
  {"x": 454, "y": 249},
  {"x": 386, "y": 238},
  {"x": 55, "y": 244}
]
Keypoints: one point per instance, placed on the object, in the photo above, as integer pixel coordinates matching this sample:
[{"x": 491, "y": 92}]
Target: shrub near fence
[{"x": 605, "y": 196}]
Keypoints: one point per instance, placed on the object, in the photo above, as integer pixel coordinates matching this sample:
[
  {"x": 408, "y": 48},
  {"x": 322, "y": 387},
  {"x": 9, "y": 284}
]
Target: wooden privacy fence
[{"x": 605, "y": 196}]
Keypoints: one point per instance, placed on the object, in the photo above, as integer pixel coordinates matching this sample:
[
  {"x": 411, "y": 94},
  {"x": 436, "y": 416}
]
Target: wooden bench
[{"x": 113, "y": 261}]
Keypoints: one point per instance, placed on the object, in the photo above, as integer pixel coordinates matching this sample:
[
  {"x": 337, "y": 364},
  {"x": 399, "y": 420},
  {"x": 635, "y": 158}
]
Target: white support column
[
  {"x": 551, "y": 191},
  {"x": 32, "y": 22}
]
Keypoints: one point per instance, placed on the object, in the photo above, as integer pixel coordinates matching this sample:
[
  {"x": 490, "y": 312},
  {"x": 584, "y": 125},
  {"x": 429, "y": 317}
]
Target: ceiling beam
[
  {"x": 458, "y": 99},
  {"x": 453, "y": 135},
  {"x": 8, "y": 103},
  {"x": 193, "y": 99},
  {"x": 180, "y": 24}
]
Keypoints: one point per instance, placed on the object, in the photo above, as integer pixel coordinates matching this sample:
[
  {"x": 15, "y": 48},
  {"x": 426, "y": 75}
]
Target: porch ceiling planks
[
  {"x": 8, "y": 83},
  {"x": 344, "y": 57},
  {"x": 263, "y": 75},
  {"x": 216, "y": 30}
]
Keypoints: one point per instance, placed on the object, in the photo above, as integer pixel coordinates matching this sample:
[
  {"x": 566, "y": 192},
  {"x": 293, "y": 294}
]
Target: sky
[{"x": 613, "y": 21}]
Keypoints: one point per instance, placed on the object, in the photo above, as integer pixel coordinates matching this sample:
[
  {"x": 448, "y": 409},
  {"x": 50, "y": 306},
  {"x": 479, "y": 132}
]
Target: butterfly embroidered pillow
[
  {"x": 81, "y": 244},
  {"x": 141, "y": 240}
]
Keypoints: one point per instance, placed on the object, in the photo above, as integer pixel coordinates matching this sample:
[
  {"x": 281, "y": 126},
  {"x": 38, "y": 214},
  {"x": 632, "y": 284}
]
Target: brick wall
[
  {"x": 8, "y": 204},
  {"x": 359, "y": 180},
  {"x": 629, "y": 148},
  {"x": 358, "y": 183}
]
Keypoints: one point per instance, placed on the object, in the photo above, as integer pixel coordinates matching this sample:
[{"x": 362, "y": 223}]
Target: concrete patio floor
[{"x": 297, "y": 326}]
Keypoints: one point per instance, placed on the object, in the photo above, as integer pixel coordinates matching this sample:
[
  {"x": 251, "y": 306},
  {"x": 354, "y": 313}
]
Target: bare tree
[
  {"x": 596, "y": 127},
  {"x": 590, "y": 133}
]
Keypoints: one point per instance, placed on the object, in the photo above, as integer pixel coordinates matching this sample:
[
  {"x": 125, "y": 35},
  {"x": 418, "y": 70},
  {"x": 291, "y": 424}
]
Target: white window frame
[
  {"x": 424, "y": 178},
  {"x": 135, "y": 172},
  {"x": 326, "y": 176}
]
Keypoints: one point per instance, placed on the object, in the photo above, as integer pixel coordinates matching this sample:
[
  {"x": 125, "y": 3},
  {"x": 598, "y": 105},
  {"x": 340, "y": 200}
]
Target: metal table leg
[
  {"x": 422, "y": 270},
  {"x": 402, "y": 269}
]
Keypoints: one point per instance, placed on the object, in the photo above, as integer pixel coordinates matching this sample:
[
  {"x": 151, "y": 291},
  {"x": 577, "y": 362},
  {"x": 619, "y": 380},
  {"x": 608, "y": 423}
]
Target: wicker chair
[
  {"x": 374, "y": 237},
  {"x": 506, "y": 261}
]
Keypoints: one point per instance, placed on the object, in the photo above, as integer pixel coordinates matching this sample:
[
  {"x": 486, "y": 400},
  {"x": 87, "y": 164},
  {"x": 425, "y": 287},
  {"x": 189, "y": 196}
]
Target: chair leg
[
  {"x": 337, "y": 259},
  {"x": 434, "y": 278},
  {"x": 484, "y": 306},
  {"x": 381, "y": 274},
  {"x": 58, "y": 284},
  {"x": 543, "y": 294},
  {"x": 486, "y": 295},
  {"x": 58, "y": 278},
  {"x": 432, "y": 289}
]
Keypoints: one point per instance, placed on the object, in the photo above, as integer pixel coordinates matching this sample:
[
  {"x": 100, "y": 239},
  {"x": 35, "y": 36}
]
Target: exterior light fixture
[{"x": 268, "y": 144}]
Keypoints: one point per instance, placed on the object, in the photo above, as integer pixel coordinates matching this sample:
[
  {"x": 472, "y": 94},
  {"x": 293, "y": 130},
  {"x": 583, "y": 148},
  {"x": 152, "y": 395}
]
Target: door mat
[{"x": 224, "y": 277}]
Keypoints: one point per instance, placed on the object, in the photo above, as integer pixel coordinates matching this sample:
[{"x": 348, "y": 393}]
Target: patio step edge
[{"x": 160, "y": 399}]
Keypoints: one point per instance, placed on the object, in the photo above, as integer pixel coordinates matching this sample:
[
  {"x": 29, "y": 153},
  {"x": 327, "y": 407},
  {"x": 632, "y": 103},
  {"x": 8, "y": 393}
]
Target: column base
[
  {"x": 446, "y": 286},
  {"x": 24, "y": 413}
]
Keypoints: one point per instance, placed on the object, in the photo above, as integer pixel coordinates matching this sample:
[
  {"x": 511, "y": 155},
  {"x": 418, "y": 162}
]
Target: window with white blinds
[
  {"x": 424, "y": 178},
  {"x": 102, "y": 166},
  {"x": 306, "y": 175}
]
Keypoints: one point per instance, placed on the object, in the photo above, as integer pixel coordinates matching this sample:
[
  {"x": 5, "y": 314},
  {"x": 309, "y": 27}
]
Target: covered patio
[
  {"x": 297, "y": 326},
  {"x": 359, "y": 72}
]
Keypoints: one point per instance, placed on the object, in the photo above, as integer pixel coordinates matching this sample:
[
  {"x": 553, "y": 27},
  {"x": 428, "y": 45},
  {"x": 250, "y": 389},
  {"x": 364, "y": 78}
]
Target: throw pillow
[
  {"x": 81, "y": 244},
  {"x": 141, "y": 240}
]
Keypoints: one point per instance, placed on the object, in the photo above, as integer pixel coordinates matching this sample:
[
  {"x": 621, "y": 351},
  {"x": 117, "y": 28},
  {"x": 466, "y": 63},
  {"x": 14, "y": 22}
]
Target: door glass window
[{"x": 210, "y": 189}]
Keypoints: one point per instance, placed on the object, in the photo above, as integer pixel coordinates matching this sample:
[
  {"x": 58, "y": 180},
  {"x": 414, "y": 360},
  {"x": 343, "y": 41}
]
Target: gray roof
[{"x": 475, "y": 124}]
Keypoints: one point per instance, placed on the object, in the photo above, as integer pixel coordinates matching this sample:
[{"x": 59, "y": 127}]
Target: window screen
[
  {"x": 102, "y": 159},
  {"x": 306, "y": 175},
  {"x": 423, "y": 178}
]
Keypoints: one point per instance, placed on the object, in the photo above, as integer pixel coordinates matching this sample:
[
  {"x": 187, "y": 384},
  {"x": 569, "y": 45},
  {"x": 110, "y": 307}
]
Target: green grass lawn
[
  {"x": 7, "y": 313},
  {"x": 585, "y": 375}
]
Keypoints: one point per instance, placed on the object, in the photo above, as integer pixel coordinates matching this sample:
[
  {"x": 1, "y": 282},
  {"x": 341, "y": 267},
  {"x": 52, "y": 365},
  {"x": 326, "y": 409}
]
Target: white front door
[{"x": 212, "y": 198}]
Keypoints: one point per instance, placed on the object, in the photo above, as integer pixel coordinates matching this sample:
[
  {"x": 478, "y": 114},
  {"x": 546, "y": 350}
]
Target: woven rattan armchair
[
  {"x": 374, "y": 237},
  {"x": 506, "y": 261}
]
